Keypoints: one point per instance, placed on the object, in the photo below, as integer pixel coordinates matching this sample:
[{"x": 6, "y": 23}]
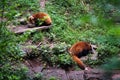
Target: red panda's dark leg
[{"x": 79, "y": 62}]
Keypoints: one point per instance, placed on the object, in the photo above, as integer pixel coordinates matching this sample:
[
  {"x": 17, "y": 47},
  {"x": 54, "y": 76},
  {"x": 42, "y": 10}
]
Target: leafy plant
[
  {"x": 55, "y": 55},
  {"x": 24, "y": 37},
  {"x": 37, "y": 37},
  {"x": 38, "y": 76},
  {"x": 113, "y": 64},
  {"x": 10, "y": 50},
  {"x": 53, "y": 78},
  {"x": 65, "y": 60}
]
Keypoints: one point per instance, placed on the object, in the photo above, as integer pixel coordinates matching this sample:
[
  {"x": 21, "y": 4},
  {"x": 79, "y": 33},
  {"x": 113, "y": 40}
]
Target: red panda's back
[
  {"x": 79, "y": 47},
  {"x": 42, "y": 15}
]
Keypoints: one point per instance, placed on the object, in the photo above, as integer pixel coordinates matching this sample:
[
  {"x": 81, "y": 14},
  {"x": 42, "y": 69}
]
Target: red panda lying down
[
  {"x": 40, "y": 19},
  {"x": 79, "y": 50}
]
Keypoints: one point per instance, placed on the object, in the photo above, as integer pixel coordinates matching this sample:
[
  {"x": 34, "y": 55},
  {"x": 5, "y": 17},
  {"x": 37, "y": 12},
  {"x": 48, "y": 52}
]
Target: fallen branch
[{"x": 22, "y": 29}]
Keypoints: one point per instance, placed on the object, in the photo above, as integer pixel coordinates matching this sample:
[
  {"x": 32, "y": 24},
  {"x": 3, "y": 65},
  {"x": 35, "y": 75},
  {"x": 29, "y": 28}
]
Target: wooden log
[{"x": 23, "y": 28}]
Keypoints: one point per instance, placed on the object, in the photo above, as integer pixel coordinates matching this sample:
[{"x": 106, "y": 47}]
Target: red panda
[
  {"x": 79, "y": 50},
  {"x": 40, "y": 19}
]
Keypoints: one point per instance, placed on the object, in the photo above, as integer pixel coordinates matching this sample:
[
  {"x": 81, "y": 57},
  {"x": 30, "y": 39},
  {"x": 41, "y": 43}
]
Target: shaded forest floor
[{"x": 35, "y": 66}]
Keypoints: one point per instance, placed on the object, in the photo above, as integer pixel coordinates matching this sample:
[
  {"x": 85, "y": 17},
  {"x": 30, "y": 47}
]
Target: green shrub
[
  {"x": 65, "y": 60},
  {"x": 56, "y": 55},
  {"x": 53, "y": 78},
  {"x": 37, "y": 37},
  {"x": 38, "y": 76},
  {"x": 112, "y": 64},
  {"x": 9, "y": 72},
  {"x": 24, "y": 37}
]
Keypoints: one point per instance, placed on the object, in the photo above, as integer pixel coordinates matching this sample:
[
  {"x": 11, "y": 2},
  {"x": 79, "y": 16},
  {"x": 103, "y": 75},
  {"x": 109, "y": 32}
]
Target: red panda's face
[
  {"x": 94, "y": 47},
  {"x": 31, "y": 19}
]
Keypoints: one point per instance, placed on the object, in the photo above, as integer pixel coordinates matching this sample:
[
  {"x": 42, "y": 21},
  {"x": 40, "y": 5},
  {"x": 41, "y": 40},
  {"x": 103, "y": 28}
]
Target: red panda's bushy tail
[{"x": 79, "y": 62}]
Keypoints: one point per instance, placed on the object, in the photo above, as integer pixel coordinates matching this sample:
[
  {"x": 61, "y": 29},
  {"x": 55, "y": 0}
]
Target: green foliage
[
  {"x": 86, "y": 22},
  {"x": 59, "y": 48},
  {"x": 15, "y": 9},
  {"x": 9, "y": 72},
  {"x": 53, "y": 78},
  {"x": 10, "y": 50},
  {"x": 8, "y": 46},
  {"x": 115, "y": 3},
  {"x": 38, "y": 36},
  {"x": 24, "y": 37},
  {"x": 38, "y": 76},
  {"x": 64, "y": 60},
  {"x": 115, "y": 31},
  {"x": 112, "y": 64},
  {"x": 34, "y": 36},
  {"x": 56, "y": 55},
  {"x": 10, "y": 55},
  {"x": 50, "y": 36}
]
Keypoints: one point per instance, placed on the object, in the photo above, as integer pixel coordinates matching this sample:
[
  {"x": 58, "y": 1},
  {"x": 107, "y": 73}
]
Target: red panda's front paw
[{"x": 86, "y": 69}]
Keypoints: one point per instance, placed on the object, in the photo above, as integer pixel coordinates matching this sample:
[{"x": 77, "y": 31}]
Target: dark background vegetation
[{"x": 95, "y": 21}]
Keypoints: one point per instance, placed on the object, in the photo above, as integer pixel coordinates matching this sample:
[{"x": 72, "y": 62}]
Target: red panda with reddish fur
[
  {"x": 41, "y": 16},
  {"x": 79, "y": 50}
]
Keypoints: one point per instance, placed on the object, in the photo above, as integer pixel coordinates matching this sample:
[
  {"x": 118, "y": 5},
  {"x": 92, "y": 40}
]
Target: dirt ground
[{"x": 35, "y": 66}]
